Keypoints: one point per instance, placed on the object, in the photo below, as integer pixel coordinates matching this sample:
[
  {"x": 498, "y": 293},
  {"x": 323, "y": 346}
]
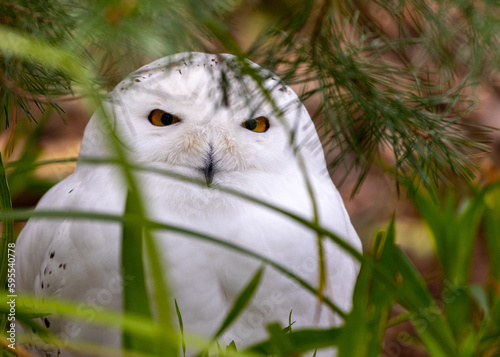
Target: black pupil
[
  {"x": 167, "y": 118},
  {"x": 251, "y": 124}
]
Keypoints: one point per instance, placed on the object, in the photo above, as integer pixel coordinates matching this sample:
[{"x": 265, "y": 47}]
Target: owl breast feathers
[{"x": 222, "y": 123}]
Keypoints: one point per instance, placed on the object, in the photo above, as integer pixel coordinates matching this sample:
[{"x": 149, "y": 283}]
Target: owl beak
[
  {"x": 209, "y": 169},
  {"x": 209, "y": 172}
]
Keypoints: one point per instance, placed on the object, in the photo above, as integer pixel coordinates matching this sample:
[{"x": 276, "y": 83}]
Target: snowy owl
[{"x": 202, "y": 116}]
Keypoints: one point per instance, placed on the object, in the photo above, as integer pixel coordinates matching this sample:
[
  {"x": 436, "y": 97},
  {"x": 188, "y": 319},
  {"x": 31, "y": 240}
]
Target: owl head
[{"x": 206, "y": 116}]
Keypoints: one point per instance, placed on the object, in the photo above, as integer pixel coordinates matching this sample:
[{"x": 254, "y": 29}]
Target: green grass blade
[
  {"x": 56, "y": 214},
  {"x": 440, "y": 219},
  {"x": 356, "y": 325},
  {"x": 135, "y": 294},
  {"x": 133, "y": 324},
  {"x": 164, "y": 172},
  {"x": 160, "y": 294},
  {"x": 468, "y": 223},
  {"x": 241, "y": 302},
  {"x": 413, "y": 294},
  {"x": 238, "y": 306},
  {"x": 454, "y": 232},
  {"x": 364, "y": 329},
  {"x": 492, "y": 234},
  {"x": 297, "y": 342},
  {"x": 181, "y": 327}
]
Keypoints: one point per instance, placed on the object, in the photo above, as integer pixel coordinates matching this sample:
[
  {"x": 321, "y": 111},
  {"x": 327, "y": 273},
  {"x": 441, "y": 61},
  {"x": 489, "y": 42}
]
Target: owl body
[{"x": 80, "y": 260}]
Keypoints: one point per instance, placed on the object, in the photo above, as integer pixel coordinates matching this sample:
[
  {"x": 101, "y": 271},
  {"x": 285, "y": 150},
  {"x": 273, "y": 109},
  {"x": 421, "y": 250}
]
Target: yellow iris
[
  {"x": 259, "y": 125},
  {"x": 161, "y": 118}
]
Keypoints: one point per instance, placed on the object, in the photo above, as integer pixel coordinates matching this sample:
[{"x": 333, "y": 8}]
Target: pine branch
[{"x": 40, "y": 98}]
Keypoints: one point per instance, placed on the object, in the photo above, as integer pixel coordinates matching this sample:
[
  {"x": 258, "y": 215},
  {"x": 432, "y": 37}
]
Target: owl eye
[
  {"x": 160, "y": 118},
  {"x": 259, "y": 125}
]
